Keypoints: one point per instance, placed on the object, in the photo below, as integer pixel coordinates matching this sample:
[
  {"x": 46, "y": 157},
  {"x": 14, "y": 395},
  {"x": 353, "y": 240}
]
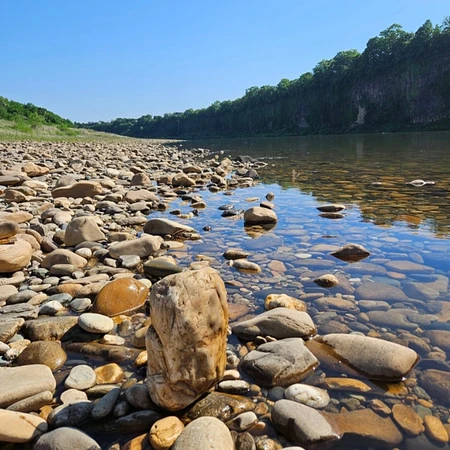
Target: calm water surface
[{"x": 405, "y": 228}]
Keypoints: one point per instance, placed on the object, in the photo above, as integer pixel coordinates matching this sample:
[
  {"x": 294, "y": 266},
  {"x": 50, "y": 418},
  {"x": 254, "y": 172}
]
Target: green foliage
[{"x": 386, "y": 80}]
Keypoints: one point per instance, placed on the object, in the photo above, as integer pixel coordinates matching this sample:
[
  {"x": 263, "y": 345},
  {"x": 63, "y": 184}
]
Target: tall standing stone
[{"x": 186, "y": 342}]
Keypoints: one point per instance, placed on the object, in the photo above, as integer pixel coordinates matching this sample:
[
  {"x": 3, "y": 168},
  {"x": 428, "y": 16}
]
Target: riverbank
[{"x": 72, "y": 245}]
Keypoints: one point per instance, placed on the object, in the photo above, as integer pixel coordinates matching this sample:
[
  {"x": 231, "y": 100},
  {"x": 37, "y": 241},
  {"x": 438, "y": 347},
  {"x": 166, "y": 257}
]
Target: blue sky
[{"x": 102, "y": 59}]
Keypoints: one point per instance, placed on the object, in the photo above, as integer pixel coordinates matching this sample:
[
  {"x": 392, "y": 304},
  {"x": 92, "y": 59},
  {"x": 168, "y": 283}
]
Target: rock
[
  {"x": 437, "y": 384},
  {"x": 182, "y": 180},
  {"x": 140, "y": 179},
  {"x": 78, "y": 190},
  {"x": 6, "y": 292},
  {"x": 245, "y": 266},
  {"x": 142, "y": 247},
  {"x": 142, "y": 195},
  {"x": 308, "y": 395},
  {"x": 19, "y": 427},
  {"x": 326, "y": 281},
  {"x": 9, "y": 327},
  {"x": 279, "y": 323},
  {"x": 121, "y": 296},
  {"x": 73, "y": 396},
  {"x": 165, "y": 432},
  {"x": 187, "y": 337},
  {"x": 243, "y": 421},
  {"x": 136, "y": 422},
  {"x": 439, "y": 338},
  {"x": 8, "y": 229},
  {"x": 303, "y": 425},
  {"x": 33, "y": 170},
  {"x": 392, "y": 320},
  {"x": 284, "y": 301},
  {"x": 138, "y": 397},
  {"x": 205, "y": 433},
  {"x": 351, "y": 253},
  {"x": 19, "y": 383},
  {"x": 380, "y": 291},
  {"x": 18, "y": 217},
  {"x": 332, "y": 207},
  {"x": 62, "y": 256},
  {"x": 66, "y": 438},
  {"x": 48, "y": 328},
  {"x": 373, "y": 358},
  {"x": 408, "y": 267},
  {"x": 235, "y": 254},
  {"x": 420, "y": 291},
  {"x": 81, "y": 377},
  {"x": 258, "y": 215},
  {"x": 163, "y": 227},
  {"x": 109, "y": 373},
  {"x": 82, "y": 229},
  {"x": 435, "y": 429},
  {"x": 220, "y": 405},
  {"x": 408, "y": 419},
  {"x": 106, "y": 404},
  {"x": 161, "y": 267},
  {"x": 71, "y": 414},
  {"x": 95, "y": 323},
  {"x": 48, "y": 353},
  {"x": 280, "y": 363},
  {"x": 15, "y": 256},
  {"x": 33, "y": 403}
]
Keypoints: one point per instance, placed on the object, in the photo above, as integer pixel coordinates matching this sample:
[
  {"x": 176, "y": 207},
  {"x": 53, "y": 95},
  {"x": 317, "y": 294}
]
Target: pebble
[
  {"x": 81, "y": 377},
  {"x": 165, "y": 432},
  {"x": 95, "y": 323}
]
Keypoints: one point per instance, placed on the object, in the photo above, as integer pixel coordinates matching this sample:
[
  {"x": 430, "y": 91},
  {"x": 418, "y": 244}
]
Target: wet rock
[
  {"x": 66, "y": 439},
  {"x": 18, "y": 383},
  {"x": 374, "y": 358},
  {"x": 437, "y": 384},
  {"x": 258, "y": 215},
  {"x": 243, "y": 421},
  {"x": 332, "y": 207},
  {"x": 107, "y": 352},
  {"x": 205, "y": 432},
  {"x": 280, "y": 363},
  {"x": 245, "y": 266},
  {"x": 48, "y": 353},
  {"x": 220, "y": 405},
  {"x": 121, "y": 296},
  {"x": 328, "y": 280},
  {"x": 435, "y": 429},
  {"x": 303, "y": 425},
  {"x": 408, "y": 419},
  {"x": 284, "y": 301},
  {"x": 187, "y": 337},
  {"x": 308, "y": 395},
  {"x": 235, "y": 254},
  {"x": 380, "y": 291},
  {"x": 351, "y": 253},
  {"x": 439, "y": 338},
  {"x": 279, "y": 323},
  {"x": 392, "y": 320},
  {"x": 19, "y": 427},
  {"x": 408, "y": 267},
  {"x": 15, "y": 256}
]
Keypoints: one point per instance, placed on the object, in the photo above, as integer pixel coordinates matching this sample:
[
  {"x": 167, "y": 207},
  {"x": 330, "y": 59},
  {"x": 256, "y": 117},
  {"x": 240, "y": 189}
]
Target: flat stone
[
  {"x": 206, "y": 433},
  {"x": 407, "y": 267},
  {"x": 33, "y": 403},
  {"x": 121, "y": 296},
  {"x": 20, "y": 427},
  {"x": 284, "y": 301},
  {"x": 81, "y": 377},
  {"x": 66, "y": 438},
  {"x": 374, "y": 358},
  {"x": 435, "y": 429},
  {"x": 73, "y": 396},
  {"x": 95, "y": 323},
  {"x": 437, "y": 384},
  {"x": 393, "y": 320},
  {"x": 380, "y": 291},
  {"x": 351, "y": 253},
  {"x": 408, "y": 419},
  {"x": 308, "y": 395},
  {"x": 19, "y": 383},
  {"x": 279, "y": 323},
  {"x": 142, "y": 247},
  {"x": 163, "y": 227},
  {"x": 48, "y": 353},
  {"x": 245, "y": 266},
  {"x": 48, "y": 328},
  {"x": 70, "y": 415},
  {"x": 439, "y": 338},
  {"x": 280, "y": 363},
  {"x": 82, "y": 229}
]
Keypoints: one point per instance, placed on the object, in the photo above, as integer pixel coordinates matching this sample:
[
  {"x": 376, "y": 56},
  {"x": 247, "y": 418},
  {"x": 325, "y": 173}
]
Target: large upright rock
[
  {"x": 82, "y": 229},
  {"x": 187, "y": 339}
]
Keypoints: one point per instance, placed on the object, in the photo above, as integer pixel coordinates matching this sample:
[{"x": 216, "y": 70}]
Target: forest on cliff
[{"x": 401, "y": 81}]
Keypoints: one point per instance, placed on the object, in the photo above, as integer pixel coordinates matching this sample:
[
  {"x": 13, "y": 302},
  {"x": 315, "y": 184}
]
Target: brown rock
[
  {"x": 82, "y": 229},
  {"x": 43, "y": 352},
  {"x": 437, "y": 384},
  {"x": 20, "y": 427},
  {"x": 328, "y": 280},
  {"x": 165, "y": 432},
  {"x": 187, "y": 338},
  {"x": 109, "y": 374},
  {"x": 78, "y": 190},
  {"x": 121, "y": 296},
  {"x": 62, "y": 256},
  {"x": 435, "y": 429},
  {"x": 18, "y": 217},
  {"x": 8, "y": 229},
  {"x": 351, "y": 253},
  {"x": 284, "y": 301},
  {"x": 408, "y": 419},
  {"x": 14, "y": 257},
  {"x": 258, "y": 215}
]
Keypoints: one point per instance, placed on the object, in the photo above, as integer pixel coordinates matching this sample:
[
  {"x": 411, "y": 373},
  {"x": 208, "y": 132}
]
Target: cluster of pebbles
[{"x": 107, "y": 341}]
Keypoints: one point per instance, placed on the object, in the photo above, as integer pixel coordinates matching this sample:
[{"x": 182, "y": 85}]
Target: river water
[{"x": 405, "y": 228}]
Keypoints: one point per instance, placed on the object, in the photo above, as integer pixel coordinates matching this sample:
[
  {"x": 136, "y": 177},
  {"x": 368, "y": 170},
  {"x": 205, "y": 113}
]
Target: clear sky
[{"x": 90, "y": 60}]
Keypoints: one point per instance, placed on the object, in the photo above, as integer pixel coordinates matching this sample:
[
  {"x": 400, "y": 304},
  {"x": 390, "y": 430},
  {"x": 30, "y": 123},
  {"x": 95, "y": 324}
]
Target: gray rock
[
  {"x": 106, "y": 404},
  {"x": 95, "y": 323},
  {"x": 66, "y": 438},
  {"x": 163, "y": 227},
  {"x": 71, "y": 414},
  {"x": 280, "y": 363},
  {"x": 142, "y": 247},
  {"x": 33, "y": 403},
  {"x": 81, "y": 377},
  {"x": 279, "y": 323},
  {"x": 205, "y": 433}
]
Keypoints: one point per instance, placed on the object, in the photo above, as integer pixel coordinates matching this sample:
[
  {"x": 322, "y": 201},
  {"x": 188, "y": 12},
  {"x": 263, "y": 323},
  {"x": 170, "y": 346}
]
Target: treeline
[
  {"x": 400, "y": 81},
  {"x": 30, "y": 114}
]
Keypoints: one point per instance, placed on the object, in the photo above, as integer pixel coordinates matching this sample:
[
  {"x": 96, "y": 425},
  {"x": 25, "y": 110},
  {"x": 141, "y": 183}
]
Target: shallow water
[{"x": 398, "y": 223}]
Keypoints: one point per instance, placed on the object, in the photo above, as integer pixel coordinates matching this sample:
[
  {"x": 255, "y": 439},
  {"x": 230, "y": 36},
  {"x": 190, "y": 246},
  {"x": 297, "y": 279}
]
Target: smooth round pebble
[
  {"x": 95, "y": 323},
  {"x": 307, "y": 395},
  {"x": 81, "y": 377}
]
